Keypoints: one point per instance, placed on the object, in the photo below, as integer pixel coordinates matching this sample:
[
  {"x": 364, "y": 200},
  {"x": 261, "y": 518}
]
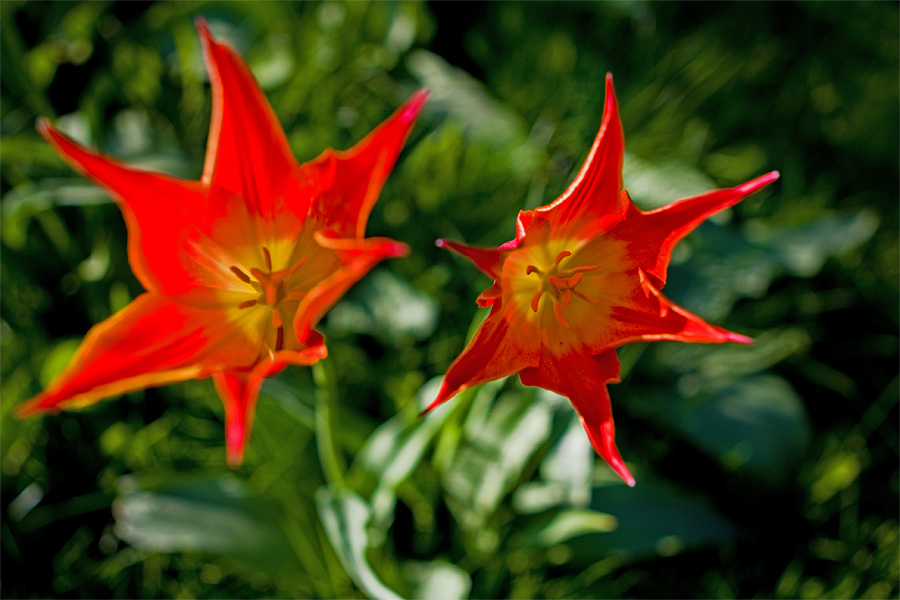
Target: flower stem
[{"x": 327, "y": 431}]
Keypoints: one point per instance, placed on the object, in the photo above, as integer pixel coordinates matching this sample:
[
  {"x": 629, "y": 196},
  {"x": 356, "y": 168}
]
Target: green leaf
[
  {"x": 651, "y": 519},
  {"x": 207, "y": 514},
  {"x": 394, "y": 450},
  {"x": 437, "y": 579},
  {"x": 28, "y": 200},
  {"x": 467, "y": 100},
  {"x": 345, "y": 517},
  {"x": 565, "y": 473},
  {"x": 58, "y": 359},
  {"x": 499, "y": 439},
  {"x": 571, "y": 523},
  {"x": 485, "y": 120},
  {"x": 803, "y": 250},
  {"x": 383, "y": 304},
  {"x": 758, "y": 424},
  {"x": 655, "y": 184},
  {"x": 718, "y": 267}
]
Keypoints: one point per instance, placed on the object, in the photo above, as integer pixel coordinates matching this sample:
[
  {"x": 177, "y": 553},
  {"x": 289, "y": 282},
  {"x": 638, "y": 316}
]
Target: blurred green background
[{"x": 763, "y": 471}]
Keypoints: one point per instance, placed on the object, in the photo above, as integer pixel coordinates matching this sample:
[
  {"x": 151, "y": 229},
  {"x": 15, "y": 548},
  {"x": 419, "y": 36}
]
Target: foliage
[{"x": 768, "y": 470}]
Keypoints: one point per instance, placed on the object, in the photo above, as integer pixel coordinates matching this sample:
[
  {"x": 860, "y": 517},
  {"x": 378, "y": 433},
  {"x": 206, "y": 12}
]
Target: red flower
[
  {"x": 240, "y": 266},
  {"x": 583, "y": 276}
]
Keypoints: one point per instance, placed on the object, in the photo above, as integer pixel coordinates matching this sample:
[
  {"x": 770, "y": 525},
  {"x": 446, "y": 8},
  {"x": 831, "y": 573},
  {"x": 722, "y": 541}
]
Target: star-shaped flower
[
  {"x": 582, "y": 277},
  {"x": 238, "y": 267}
]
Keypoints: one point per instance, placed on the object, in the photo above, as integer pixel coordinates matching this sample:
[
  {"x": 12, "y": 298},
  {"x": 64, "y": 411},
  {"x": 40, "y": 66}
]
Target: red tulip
[
  {"x": 238, "y": 267},
  {"x": 582, "y": 277}
]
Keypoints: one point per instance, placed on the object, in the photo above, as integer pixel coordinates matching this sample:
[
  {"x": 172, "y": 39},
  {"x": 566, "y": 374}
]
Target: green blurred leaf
[
  {"x": 655, "y": 184},
  {"x": 717, "y": 267},
  {"x": 28, "y": 200},
  {"x": 345, "y": 517},
  {"x": 295, "y": 398},
  {"x": 94, "y": 267},
  {"x": 383, "y": 304},
  {"x": 758, "y": 424},
  {"x": 207, "y": 514},
  {"x": 570, "y": 523},
  {"x": 709, "y": 367},
  {"x": 651, "y": 519},
  {"x": 835, "y": 474},
  {"x": 467, "y": 100},
  {"x": 486, "y": 120},
  {"x": 57, "y": 360},
  {"x": 437, "y": 579},
  {"x": 499, "y": 439},
  {"x": 803, "y": 250},
  {"x": 565, "y": 473},
  {"x": 273, "y": 61},
  {"x": 394, "y": 450}
]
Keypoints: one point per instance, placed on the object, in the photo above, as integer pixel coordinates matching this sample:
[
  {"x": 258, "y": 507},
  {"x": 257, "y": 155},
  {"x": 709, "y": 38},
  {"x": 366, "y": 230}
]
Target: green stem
[{"x": 327, "y": 431}]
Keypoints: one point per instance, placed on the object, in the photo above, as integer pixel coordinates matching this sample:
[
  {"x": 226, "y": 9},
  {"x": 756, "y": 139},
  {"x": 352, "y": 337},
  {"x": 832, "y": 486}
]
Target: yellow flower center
[
  {"x": 269, "y": 285},
  {"x": 560, "y": 285},
  {"x": 561, "y": 291}
]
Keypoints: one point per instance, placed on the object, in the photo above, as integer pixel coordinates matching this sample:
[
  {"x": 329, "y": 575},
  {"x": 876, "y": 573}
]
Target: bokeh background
[{"x": 763, "y": 471}]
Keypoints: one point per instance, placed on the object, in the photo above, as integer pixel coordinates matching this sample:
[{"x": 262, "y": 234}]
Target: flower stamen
[
  {"x": 560, "y": 284},
  {"x": 558, "y": 311},
  {"x": 536, "y": 299},
  {"x": 269, "y": 286},
  {"x": 241, "y": 275}
]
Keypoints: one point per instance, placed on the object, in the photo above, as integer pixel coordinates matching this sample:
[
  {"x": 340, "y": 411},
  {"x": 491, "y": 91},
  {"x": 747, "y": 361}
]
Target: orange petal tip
[
  {"x": 414, "y": 105},
  {"x": 740, "y": 339},
  {"x": 201, "y": 26},
  {"x": 758, "y": 183},
  {"x": 618, "y": 466},
  {"x": 443, "y": 395},
  {"x": 206, "y": 37},
  {"x": 397, "y": 249},
  {"x": 42, "y": 125}
]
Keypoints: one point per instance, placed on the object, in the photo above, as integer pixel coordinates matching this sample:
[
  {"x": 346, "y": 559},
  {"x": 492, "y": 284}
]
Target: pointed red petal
[
  {"x": 247, "y": 152},
  {"x": 595, "y": 192},
  {"x": 583, "y": 378},
  {"x": 359, "y": 173},
  {"x": 358, "y": 256},
  {"x": 152, "y": 341},
  {"x": 154, "y": 205},
  {"x": 239, "y": 391},
  {"x": 489, "y": 260},
  {"x": 656, "y": 232},
  {"x": 650, "y": 316},
  {"x": 496, "y": 351}
]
